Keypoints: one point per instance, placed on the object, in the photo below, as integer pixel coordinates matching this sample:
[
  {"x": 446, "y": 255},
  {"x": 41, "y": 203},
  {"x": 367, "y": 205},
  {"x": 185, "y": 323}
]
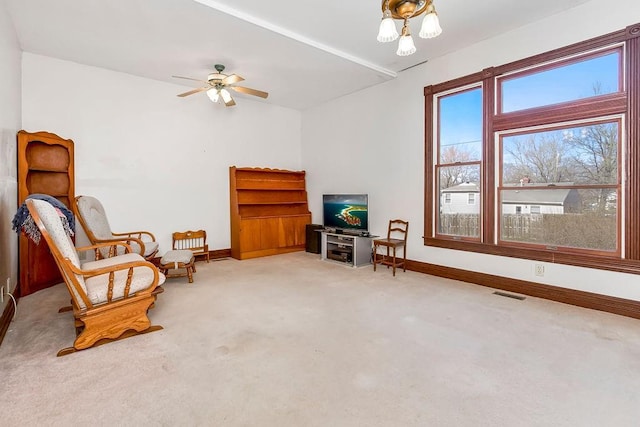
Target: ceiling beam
[{"x": 295, "y": 36}]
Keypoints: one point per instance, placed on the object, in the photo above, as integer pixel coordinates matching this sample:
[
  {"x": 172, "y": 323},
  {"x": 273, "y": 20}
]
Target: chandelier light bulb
[
  {"x": 430, "y": 24},
  {"x": 406, "y": 46},
  {"x": 226, "y": 96},
  {"x": 213, "y": 94},
  {"x": 387, "y": 32}
]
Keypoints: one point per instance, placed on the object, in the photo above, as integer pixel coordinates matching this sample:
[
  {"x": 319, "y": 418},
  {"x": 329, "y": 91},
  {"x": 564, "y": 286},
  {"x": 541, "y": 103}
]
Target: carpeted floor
[{"x": 291, "y": 340}]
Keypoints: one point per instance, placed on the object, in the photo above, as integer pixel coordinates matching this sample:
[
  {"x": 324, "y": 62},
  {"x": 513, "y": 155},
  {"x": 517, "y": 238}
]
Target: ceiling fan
[{"x": 217, "y": 85}]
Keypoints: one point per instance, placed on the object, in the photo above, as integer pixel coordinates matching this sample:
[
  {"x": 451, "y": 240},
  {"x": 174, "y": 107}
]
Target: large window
[{"x": 539, "y": 158}]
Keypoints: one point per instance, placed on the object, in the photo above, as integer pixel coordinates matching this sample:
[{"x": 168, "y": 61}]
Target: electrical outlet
[{"x": 539, "y": 270}]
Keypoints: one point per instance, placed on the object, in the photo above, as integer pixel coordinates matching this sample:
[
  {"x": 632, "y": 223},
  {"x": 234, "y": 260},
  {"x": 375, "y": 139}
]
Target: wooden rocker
[
  {"x": 94, "y": 221},
  {"x": 109, "y": 297}
]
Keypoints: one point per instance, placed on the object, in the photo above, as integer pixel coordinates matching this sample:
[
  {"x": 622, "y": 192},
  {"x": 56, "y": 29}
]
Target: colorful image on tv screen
[{"x": 346, "y": 211}]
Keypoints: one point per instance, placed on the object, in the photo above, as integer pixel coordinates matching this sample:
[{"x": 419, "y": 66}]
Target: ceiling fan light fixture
[
  {"x": 430, "y": 24},
  {"x": 213, "y": 94},
  {"x": 226, "y": 96}
]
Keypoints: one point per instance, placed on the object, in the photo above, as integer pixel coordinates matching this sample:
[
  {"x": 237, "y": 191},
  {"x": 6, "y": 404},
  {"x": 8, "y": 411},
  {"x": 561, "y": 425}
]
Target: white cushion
[
  {"x": 52, "y": 223},
  {"x": 98, "y": 286},
  {"x": 182, "y": 255}
]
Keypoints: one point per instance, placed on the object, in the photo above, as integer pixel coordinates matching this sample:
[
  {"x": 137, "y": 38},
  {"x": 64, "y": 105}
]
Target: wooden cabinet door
[
  {"x": 292, "y": 231},
  {"x": 250, "y": 235}
]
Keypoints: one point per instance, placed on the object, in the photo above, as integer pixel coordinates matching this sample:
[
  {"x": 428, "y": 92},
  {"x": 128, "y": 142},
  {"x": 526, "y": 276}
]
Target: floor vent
[{"x": 504, "y": 294}]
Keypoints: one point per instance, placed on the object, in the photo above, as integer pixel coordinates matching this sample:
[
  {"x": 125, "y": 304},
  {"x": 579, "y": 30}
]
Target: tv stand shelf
[{"x": 348, "y": 249}]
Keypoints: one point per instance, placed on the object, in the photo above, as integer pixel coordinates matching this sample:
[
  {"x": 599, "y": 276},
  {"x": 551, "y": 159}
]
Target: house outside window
[{"x": 545, "y": 139}]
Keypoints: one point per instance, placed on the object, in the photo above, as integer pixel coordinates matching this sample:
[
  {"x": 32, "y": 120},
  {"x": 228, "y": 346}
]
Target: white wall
[
  {"x": 10, "y": 120},
  {"x": 372, "y": 142},
  {"x": 156, "y": 162}
]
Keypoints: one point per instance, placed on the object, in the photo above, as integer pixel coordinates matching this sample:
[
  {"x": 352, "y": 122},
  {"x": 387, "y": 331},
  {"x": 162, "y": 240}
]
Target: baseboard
[
  {"x": 7, "y": 315},
  {"x": 615, "y": 305}
]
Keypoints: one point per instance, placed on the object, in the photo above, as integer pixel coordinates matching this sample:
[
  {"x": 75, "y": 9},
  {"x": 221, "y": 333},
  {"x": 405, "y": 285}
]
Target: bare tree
[
  {"x": 452, "y": 172},
  {"x": 543, "y": 157}
]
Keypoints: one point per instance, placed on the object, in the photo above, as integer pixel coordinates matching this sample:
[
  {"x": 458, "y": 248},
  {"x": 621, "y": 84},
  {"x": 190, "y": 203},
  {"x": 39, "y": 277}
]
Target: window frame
[{"x": 626, "y": 102}]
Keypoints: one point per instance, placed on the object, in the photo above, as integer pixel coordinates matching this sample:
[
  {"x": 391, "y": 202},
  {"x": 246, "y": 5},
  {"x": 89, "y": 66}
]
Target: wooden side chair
[
  {"x": 195, "y": 241},
  {"x": 94, "y": 221},
  {"x": 110, "y": 297},
  {"x": 396, "y": 238}
]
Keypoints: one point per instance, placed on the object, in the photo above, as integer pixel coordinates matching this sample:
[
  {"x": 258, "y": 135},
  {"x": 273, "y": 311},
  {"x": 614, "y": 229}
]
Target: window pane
[
  {"x": 593, "y": 76},
  {"x": 579, "y": 155},
  {"x": 458, "y": 186},
  {"x": 560, "y": 217},
  {"x": 460, "y": 126}
]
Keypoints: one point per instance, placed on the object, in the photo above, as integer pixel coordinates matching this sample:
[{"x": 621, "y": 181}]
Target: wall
[
  {"x": 362, "y": 134},
  {"x": 10, "y": 119},
  {"x": 156, "y": 162}
]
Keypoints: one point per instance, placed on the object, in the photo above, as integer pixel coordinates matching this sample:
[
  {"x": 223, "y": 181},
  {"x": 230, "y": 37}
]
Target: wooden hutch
[{"x": 269, "y": 211}]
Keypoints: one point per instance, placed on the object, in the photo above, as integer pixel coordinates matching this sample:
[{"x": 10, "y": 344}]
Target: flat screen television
[{"x": 346, "y": 212}]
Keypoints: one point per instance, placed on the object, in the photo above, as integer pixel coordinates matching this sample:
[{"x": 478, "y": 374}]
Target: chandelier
[{"x": 404, "y": 10}]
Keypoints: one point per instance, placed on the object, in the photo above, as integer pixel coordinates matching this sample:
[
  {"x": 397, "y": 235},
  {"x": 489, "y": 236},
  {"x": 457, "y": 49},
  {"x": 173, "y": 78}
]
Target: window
[{"x": 543, "y": 144}]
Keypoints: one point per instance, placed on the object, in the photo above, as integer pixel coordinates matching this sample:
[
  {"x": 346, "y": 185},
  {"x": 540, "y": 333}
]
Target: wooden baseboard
[
  {"x": 615, "y": 305},
  {"x": 7, "y": 315}
]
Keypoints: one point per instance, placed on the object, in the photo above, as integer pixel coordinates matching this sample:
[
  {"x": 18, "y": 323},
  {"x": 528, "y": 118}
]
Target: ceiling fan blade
[
  {"x": 231, "y": 79},
  {"x": 231, "y": 102},
  {"x": 189, "y": 78},
  {"x": 191, "y": 92},
  {"x": 249, "y": 91}
]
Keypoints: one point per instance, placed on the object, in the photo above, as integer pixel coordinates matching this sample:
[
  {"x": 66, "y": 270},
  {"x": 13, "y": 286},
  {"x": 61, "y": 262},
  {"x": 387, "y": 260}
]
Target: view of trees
[{"x": 586, "y": 155}]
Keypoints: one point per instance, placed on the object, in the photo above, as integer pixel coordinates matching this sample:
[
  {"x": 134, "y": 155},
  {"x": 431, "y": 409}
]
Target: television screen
[{"x": 345, "y": 211}]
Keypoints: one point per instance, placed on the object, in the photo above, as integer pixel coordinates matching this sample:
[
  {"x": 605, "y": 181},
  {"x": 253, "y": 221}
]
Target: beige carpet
[{"x": 292, "y": 340}]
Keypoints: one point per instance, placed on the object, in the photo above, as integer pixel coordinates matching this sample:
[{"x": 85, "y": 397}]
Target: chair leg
[
  {"x": 404, "y": 259},
  {"x": 394, "y": 261},
  {"x": 375, "y": 253},
  {"x": 387, "y": 256},
  {"x": 190, "y": 270}
]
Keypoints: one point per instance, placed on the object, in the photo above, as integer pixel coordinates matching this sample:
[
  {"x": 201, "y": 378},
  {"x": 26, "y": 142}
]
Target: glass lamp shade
[
  {"x": 226, "y": 96},
  {"x": 387, "y": 31},
  {"x": 213, "y": 94},
  {"x": 406, "y": 46},
  {"x": 430, "y": 26}
]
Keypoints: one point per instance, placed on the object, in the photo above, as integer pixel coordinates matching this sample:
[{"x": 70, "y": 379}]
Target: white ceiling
[{"x": 302, "y": 53}]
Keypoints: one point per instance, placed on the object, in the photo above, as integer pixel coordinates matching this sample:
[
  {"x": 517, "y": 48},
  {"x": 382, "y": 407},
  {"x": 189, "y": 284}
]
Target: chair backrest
[
  {"x": 48, "y": 220},
  {"x": 398, "y": 229},
  {"x": 93, "y": 218},
  {"x": 195, "y": 241}
]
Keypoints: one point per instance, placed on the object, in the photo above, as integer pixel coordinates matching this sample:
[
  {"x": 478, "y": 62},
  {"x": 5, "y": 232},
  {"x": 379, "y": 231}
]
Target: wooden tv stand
[{"x": 347, "y": 249}]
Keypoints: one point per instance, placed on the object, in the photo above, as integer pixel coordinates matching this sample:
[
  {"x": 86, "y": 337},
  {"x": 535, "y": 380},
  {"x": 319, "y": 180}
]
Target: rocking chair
[
  {"x": 110, "y": 297},
  {"x": 94, "y": 221}
]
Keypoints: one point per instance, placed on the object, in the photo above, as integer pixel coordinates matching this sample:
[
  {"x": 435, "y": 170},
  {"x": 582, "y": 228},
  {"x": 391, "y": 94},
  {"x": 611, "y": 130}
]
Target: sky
[{"x": 460, "y": 114}]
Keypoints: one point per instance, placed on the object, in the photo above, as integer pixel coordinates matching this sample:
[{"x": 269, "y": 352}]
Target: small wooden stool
[{"x": 178, "y": 259}]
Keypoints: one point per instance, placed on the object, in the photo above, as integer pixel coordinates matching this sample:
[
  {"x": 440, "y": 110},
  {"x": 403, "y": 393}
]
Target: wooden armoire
[
  {"x": 269, "y": 211},
  {"x": 45, "y": 165}
]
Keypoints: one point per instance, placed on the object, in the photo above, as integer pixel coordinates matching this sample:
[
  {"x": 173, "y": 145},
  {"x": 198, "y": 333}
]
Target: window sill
[{"x": 556, "y": 257}]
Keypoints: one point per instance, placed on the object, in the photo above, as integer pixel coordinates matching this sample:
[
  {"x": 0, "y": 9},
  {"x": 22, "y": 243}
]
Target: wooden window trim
[{"x": 627, "y": 102}]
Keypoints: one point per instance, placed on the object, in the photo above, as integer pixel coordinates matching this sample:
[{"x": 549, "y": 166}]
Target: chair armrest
[
  {"x": 127, "y": 248},
  {"x": 138, "y": 233},
  {"x": 112, "y": 269},
  {"x": 126, "y": 240}
]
